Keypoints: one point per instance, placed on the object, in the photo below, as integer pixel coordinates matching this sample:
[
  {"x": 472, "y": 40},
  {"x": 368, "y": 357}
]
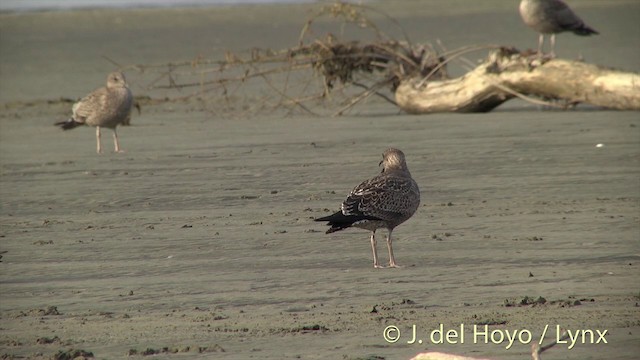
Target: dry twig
[{"x": 374, "y": 66}]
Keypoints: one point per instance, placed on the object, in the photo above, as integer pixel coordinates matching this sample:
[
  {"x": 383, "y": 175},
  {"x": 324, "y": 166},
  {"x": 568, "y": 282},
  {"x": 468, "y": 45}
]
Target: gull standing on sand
[
  {"x": 105, "y": 107},
  {"x": 552, "y": 17},
  {"x": 384, "y": 201}
]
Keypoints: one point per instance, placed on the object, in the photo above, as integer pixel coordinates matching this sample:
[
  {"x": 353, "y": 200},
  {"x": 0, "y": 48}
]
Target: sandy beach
[{"x": 199, "y": 241}]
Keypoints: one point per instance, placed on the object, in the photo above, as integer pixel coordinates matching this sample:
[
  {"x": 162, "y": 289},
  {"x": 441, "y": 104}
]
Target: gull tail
[
  {"x": 68, "y": 125},
  {"x": 584, "y": 30},
  {"x": 340, "y": 221}
]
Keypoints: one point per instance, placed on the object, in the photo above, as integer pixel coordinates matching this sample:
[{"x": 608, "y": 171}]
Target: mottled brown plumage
[
  {"x": 384, "y": 201},
  {"x": 107, "y": 107}
]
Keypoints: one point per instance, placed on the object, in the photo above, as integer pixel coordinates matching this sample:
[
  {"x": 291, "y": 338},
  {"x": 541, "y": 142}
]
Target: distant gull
[
  {"x": 552, "y": 17},
  {"x": 105, "y": 107},
  {"x": 384, "y": 201}
]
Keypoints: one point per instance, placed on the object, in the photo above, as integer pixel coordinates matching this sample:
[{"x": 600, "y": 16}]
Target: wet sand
[{"x": 198, "y": 242}]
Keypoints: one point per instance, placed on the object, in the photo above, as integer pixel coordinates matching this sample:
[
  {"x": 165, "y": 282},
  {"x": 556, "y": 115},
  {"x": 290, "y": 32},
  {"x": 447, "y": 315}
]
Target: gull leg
[
  {"x": 115, "y": 142},
  {"x": 98, "y": 147},
  {"x": 375, "y": 251},
  {"x": 553, "y": 45},
  {"x": 392, "y": 260},
  {"x": 540, "y": 44}
]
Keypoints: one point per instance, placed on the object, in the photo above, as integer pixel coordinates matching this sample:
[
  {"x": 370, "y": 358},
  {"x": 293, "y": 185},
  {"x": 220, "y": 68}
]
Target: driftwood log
[
  {"x": 536, "y": 351},
  {"x": 508, "y": 73}
]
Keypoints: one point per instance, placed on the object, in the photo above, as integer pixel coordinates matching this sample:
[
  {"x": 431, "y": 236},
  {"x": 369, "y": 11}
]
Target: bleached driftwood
[
  {"x": 508, "y": 73},
  {"x": 431, "y": 355},
  {"x": 536, "y": 350}
]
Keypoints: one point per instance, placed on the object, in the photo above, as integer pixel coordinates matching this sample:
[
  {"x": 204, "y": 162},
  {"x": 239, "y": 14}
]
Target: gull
[
  {"x": 552, "y": 17},
  {"x": 384, "y": 201},
  {"x": 106, "y": 107}
]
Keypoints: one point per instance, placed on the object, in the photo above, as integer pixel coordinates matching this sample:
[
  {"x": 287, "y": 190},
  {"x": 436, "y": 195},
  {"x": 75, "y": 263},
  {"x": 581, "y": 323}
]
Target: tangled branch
[{"x": 307, "y": 74}]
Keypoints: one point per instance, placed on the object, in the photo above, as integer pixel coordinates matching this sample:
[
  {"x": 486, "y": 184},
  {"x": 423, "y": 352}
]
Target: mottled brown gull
[
  {"x": 106, "y": 107},
  {"x": 384, "y": 201},
  {"x": 552, "y": 17}
]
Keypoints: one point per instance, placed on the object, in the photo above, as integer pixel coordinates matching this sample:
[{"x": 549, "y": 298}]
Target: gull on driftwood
[
  {"x": 552, "y": 17},
  {"x": 384, "y": 201},
  {"x": 107, "y": 107}
]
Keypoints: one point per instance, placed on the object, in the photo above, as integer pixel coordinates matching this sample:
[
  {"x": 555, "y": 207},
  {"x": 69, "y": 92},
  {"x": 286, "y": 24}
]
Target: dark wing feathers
[
  {"x": 389, "y": 198},
  {"x": 384, "y": 197},
  {"x": 566, "y": 19}
]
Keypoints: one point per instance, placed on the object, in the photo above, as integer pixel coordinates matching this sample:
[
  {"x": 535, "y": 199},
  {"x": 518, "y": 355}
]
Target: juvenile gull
[
  {"x": 384, "y": 201},
  {"x": 552, "y": 17},
  {"x": 105, "y": 107}
]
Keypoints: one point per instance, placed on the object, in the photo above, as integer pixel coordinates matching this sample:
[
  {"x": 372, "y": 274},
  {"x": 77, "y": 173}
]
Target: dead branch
[
  {"x": 508, "y": 73},
  {"x": 377, "y": 67}
]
